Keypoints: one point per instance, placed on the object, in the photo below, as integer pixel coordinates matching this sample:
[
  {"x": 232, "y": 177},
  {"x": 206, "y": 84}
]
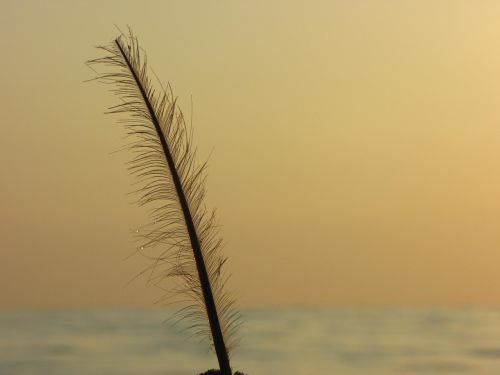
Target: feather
[{"x": 182, "y": 241}]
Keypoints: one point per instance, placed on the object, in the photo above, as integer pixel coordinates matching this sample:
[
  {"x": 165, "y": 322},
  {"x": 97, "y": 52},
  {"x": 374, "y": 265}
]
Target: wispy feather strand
[{"x": 183, "y": 240}]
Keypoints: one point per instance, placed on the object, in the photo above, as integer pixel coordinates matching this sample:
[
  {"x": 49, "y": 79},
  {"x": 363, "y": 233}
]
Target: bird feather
[{"x": 182, "y": 240}]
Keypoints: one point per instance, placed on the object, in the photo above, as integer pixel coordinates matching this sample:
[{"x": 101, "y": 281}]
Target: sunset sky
[{"x": 355, "y": 148}]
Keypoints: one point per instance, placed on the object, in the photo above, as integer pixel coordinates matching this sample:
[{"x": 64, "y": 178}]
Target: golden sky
[{"x": 355, "y": 148}]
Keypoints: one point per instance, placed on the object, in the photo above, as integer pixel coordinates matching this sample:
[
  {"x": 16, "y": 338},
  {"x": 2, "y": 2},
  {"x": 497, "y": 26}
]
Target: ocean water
[{"x": 274, "y": 341}]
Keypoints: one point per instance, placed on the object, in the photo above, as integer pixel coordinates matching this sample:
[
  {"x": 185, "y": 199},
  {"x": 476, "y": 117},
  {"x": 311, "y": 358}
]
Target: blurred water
[{"x": 274, "y": 341}]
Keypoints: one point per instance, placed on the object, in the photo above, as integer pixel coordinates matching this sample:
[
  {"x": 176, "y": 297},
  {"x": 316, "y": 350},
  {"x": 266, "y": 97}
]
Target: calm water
[{"x": 282, "y": 341}]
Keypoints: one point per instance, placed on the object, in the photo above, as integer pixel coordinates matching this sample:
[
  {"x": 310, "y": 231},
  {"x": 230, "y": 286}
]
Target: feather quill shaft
[
  {"x": 165, "y": 161},
  {"x": 213, "y": 318}
]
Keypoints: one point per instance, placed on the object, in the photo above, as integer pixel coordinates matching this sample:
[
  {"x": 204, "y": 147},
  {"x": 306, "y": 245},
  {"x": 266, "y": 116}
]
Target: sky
[{"x": 354, "y": 149}]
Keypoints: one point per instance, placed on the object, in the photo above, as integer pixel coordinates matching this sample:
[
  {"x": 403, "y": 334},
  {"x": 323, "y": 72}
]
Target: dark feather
[{"x": 183, "y": 240}]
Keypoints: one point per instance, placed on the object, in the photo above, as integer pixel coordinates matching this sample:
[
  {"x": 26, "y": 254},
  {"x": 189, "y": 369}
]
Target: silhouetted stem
[{"x": 213, "y": 318}]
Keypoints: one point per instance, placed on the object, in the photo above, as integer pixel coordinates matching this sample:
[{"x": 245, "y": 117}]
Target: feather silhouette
[{"x": 183, "y": 237}]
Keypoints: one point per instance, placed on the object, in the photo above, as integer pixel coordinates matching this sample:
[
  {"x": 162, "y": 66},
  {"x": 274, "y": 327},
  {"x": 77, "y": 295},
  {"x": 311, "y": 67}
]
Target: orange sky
[{"x": 356, "y": 148}]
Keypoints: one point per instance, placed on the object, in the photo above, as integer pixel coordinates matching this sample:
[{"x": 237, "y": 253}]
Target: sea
[{"x": 292, "y": 341}]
